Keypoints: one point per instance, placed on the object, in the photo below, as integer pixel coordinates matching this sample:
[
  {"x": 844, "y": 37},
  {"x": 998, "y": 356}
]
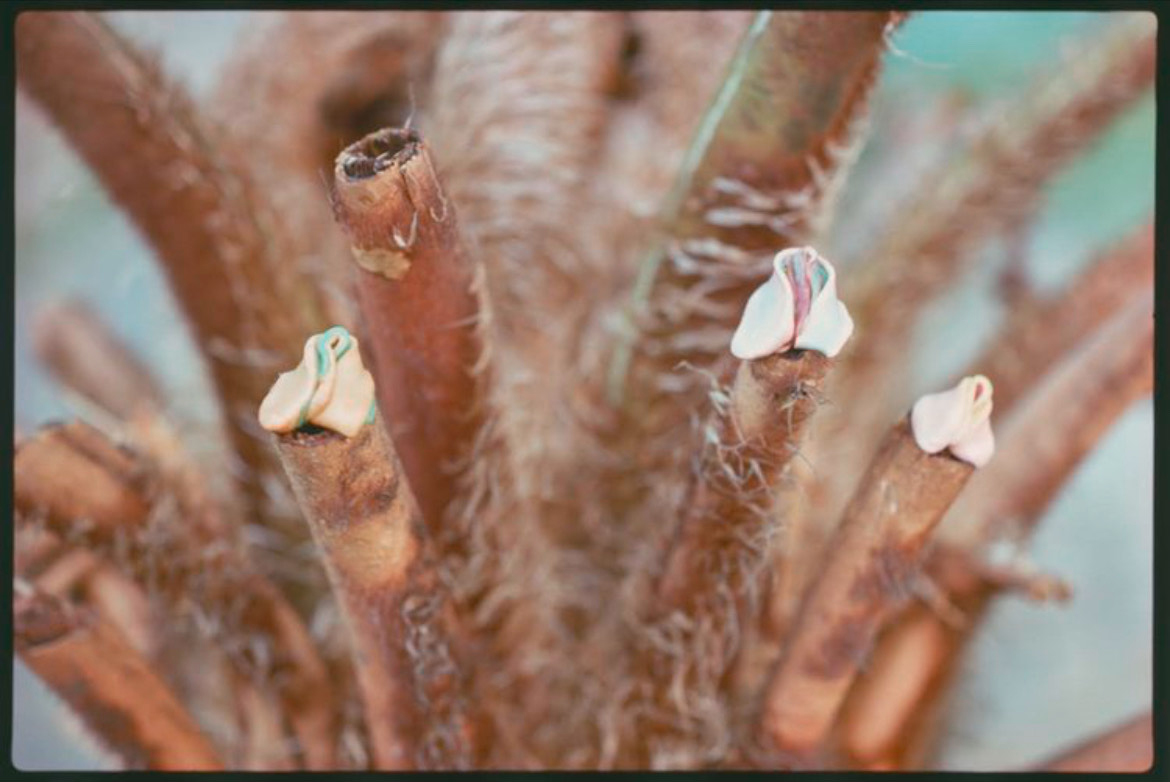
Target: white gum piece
[
  {"x": 768, "y": 323},
  {"x": 340, "y": 399},
  {"x": 957, "y": 420}
]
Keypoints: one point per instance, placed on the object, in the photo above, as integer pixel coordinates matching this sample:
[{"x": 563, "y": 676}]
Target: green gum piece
[{"x": 323, "y": 360}]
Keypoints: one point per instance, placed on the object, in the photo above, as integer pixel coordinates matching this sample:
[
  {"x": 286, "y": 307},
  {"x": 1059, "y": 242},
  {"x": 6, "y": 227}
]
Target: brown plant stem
[
  {"x": 708, "y": 590},
  {"x": 771, "y": 401},
  {"x": 1127, "y": 748},
  {"x": 1051, "y": 431},
  {"x": 1011, "y": 152},
  {"x": 371, "y": 533},
  {"x": 999, "y": 171},
  {"x": 874, "y": 555},
  {"x": 419, "y": 309},
  {"x": 93, "y": 493},
  {"x": 108, "y": 684},
  {"x": 88, "y": 358},
  {"x": 748, "y": 186},
  {"x": 146, "y": 142},
  {"x": 1038, "y": 334},
  {"x": 330, "y": 77}
]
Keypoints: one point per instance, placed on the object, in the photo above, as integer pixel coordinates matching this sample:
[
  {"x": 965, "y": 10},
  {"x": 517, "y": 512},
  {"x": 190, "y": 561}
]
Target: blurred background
[{"x": 1039, "y": 678}]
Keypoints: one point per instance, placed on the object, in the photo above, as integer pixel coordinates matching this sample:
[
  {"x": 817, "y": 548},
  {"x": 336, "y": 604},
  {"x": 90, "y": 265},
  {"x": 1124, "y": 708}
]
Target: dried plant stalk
[
  {"x": 1127, "y": 748},
  {"x": 1038, "y": 334},
  {"x": 96, "y": 494},
  {"x": 87, "y": 358},
  {"x": 415, "y": 292},
  {"x": 330, "y": 77},
  {"x": 371, "y": 533},
  {"x": 771, "y": 401},
  {"x": 1042, "y": 442},
  {"x": 145, "y": 141},
  {"x": 108, "y": 683},
  {"x": 902, "y": 498},
  {"x": 999, "y": 172}
]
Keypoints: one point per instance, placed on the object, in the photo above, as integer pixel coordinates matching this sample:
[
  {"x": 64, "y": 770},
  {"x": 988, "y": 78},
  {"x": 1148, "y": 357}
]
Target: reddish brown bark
[
  {"x": 109, "y": 685},
  {"x": 867, "y": 572},
  {"x": 96, "y": 494},
  {"x": 220, "y": 249},
  {"x": 371, "y": 534},
  {"x": 419, "y": 310}
]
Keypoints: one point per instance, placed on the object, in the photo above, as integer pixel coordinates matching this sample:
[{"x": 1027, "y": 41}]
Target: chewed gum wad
[
  {"x": 958, "y": 419},
  {"x": 796, "y": 309},
  {"x": 330, "y": 388}
]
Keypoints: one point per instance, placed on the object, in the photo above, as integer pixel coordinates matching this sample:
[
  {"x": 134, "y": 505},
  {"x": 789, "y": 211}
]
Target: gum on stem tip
[
  {"x": 330, "y": 388},
  {"x": 795, "y": 309},
  {"x": 958, "y": 419}
]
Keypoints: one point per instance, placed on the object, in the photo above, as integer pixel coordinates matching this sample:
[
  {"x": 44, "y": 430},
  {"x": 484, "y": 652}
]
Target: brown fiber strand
[
  {"x": 866, "y": 575},
  {"x": 220, "y": 249},
  {"x": 372, "y": 535},
  {"x": 94, "y": 493},
  {"x": 108, "y": 684},
  {"x": 708, "y": 589},
  {"x": 1050, "y": 432},
  {"x": 1127, "y": 748}
]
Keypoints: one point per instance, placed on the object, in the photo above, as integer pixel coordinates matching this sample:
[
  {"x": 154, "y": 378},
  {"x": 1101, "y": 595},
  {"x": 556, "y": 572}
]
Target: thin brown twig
[
  {"x": 108, "y": 684},
  {"x": 872, "y": 559},
  {"x": 372, "y": 535}
]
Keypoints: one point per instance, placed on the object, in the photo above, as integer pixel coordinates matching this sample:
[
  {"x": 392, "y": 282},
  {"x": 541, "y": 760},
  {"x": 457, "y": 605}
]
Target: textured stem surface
[
  {"x": 1040, "y": 444},
  {"x": 109, "y": 685},
  {"x": 145, "y": 141},
  {"x": 867, "y": 573},
  {"x": 371, "y": 533},
  {"x": 92, "y": 492},
  {"x": 420, "y": 312}
]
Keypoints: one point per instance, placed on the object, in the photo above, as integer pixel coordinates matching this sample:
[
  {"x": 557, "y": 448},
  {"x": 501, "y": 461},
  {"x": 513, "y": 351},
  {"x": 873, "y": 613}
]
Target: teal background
[{"x": 1040, "y": 677}]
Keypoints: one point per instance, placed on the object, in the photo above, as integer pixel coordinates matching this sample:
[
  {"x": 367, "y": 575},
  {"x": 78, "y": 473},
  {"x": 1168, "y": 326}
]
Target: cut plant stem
[
  {"x": 330, "y": 76},
  {"x": 364, "y": 518},
  {"x": 771, "y": 400},
  {"x": 1126, "y": 748},
  {"x": 867, "y": 572},
  {"x": 94, "y": 493},
  {"x": 145, "y": 141},
  {"x": 1049, "y": 433},
  {"x": 419, "y": 310},
  {"x": 108, "y": 684}
]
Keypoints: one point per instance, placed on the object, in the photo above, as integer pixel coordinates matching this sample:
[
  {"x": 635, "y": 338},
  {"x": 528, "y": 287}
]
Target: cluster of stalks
[{"x": 575, "y": 531}]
